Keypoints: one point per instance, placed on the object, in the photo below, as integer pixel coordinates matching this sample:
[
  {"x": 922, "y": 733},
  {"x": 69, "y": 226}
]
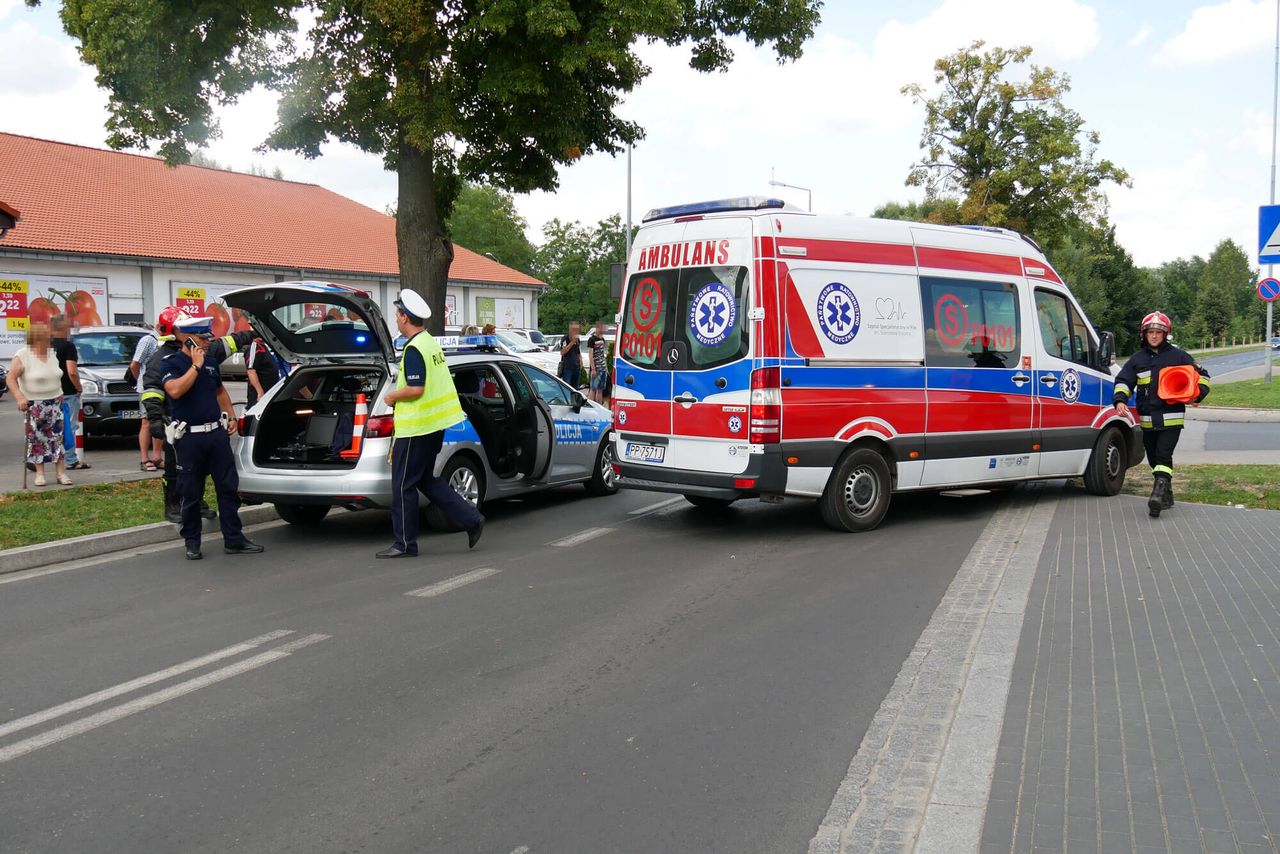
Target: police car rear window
[{"x": 321, "y": 327}]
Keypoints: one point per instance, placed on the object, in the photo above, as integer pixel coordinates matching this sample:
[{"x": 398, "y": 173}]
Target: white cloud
[
  {"x": 1254, "y": 134},
  {"x": 1140, "y": 37},
  {"x": 33, "y": 63},
  {"x": 7, "y": 6},
  {"x": 1223, "y": 31}
]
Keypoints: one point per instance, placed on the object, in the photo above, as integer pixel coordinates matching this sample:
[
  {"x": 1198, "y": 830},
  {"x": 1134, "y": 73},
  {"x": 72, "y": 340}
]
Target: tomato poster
[
  {"x": 205, "y": 300},
  {"x": 28, "y": 299}
]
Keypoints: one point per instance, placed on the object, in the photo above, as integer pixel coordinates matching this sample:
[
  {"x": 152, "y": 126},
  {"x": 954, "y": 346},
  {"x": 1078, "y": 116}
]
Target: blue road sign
[
  {"x": 1269, "y": 234},
  {"x": 1269, "y": 290}
]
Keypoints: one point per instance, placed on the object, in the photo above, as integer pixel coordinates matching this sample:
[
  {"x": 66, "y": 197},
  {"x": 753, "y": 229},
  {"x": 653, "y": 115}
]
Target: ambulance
[{"x": 766, "y": 352}]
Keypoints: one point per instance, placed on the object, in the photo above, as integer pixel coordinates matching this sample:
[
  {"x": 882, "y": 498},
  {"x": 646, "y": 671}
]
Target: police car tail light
[
  {"x": 766, "y": 406},
  {"x": 379, "y": 427}
]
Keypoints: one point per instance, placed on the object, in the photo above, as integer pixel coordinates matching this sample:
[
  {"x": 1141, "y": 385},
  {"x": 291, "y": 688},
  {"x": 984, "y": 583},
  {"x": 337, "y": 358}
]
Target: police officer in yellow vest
[{"x": 426, "y": 403}]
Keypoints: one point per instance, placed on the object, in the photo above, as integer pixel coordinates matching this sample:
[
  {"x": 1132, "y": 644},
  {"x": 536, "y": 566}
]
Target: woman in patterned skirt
[{"x": 39, "y": 395}]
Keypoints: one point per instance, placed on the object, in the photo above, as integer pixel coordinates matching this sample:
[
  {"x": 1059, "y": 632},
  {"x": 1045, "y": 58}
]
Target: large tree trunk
[{"x": 424, "y": 251}]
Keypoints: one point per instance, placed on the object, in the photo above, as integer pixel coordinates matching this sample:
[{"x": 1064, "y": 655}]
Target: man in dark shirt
[
  {"x": 261, "y": 371},
  {"x": 570, "y": 360},
  {"x": 67, "y": 357},
  {"x": 598, "y": 347}
]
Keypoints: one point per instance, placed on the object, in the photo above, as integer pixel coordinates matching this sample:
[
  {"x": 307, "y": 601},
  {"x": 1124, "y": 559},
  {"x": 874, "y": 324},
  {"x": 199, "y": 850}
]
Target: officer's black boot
[
  {"x": 1160, "y": 493},
  {"x": 172, "y": 503}
]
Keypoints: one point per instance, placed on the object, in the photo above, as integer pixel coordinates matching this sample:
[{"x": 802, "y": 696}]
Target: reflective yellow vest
[{"x": 438, "y": 407}]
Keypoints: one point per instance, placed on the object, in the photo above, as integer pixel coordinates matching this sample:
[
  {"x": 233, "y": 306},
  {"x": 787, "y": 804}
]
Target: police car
[{"x": 320, "y": 437}]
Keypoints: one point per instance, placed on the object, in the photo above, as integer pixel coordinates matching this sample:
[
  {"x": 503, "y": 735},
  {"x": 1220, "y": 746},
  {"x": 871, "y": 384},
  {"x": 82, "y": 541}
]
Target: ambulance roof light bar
[{"x": 741, "y": 203}]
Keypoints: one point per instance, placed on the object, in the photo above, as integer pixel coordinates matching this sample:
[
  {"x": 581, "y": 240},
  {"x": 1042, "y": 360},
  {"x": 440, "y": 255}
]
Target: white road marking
[
  {"x": 523, "y": 849},
  {"x": 442, "y": 587},
  {"x": 654, "y": 508},
  {"x": 147, "y": 701},
  {"x": 580, "y": 537},
  {"x": 134, "y": 684}
]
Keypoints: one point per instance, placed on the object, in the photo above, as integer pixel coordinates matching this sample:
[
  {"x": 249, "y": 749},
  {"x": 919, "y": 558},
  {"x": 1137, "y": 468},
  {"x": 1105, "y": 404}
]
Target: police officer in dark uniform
[
  {"x": 155, "y": 404},
  {"x": 203, "y": 419}
]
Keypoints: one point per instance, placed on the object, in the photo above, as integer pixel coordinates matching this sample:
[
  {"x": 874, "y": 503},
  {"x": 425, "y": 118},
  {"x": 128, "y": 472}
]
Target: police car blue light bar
[
  {"x": 741, "y": 203},
  {"x": 468, "y": 342}
]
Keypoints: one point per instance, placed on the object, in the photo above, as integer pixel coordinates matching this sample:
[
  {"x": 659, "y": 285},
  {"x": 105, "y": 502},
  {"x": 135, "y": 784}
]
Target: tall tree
[
  {"x": 500, "y": 91},
  {"x": 1114, "y": 292},
  {"x": 1179, "y": 282},
  {"x": 1224, "y": 306},
  {"x": 574, "y": 262},
  {"x": 1008, "y": 149},
  {"x": 485, "y": 220}
]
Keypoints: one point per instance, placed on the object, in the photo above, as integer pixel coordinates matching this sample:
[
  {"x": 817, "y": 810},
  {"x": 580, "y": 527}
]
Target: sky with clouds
[{"x": 1180, "y": 91}]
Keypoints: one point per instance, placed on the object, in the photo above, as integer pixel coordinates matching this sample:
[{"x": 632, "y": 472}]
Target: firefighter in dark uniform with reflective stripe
[
  {"x": 156, "y": 408},
  {"x": 426, "y": 403},
  {"x": 1161, "y": 421}
]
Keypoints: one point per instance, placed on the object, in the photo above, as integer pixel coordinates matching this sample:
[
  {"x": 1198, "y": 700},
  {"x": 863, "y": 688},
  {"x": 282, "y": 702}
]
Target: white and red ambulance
[{"x": 763, "y": 351}]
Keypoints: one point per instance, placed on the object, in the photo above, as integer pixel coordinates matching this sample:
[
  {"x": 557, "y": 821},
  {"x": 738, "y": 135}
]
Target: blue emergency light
[
  {"x": 741, "y": 203},
  {"x": 468, "y": 342}
]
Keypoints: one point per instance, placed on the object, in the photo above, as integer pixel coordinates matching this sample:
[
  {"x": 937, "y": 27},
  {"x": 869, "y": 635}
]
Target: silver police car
[{"x": 300, "y": 447}]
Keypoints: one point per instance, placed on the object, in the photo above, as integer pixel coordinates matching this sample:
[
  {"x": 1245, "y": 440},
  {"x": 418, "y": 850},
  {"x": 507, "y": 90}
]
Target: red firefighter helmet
[
  {"x": 1156, "y": 320},
  {"x": 168, "y": 319}
]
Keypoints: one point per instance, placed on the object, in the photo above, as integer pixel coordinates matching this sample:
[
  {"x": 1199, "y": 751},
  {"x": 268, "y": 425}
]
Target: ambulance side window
[
  {"x": 713, "y": 312},
  {"x": 646, "y": 316},
  {"x": 970, "y": 324},
  {"x": 1062, "y": 329}
]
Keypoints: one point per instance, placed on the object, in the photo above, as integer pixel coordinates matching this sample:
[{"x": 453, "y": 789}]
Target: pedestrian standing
[
  {"x": 570, "y": 359},
  {"x": 149, "y": 447},
  {"x": 36, "y": 381},
  {"x": 204, "y": 421},
  {"x": 426, "y": 404},
  {"x": 598, "y": 347},
  {"x": 1161, "y": 420},
  {"x": 261, "y": 371},
  {"x": 68, "y": 356}
]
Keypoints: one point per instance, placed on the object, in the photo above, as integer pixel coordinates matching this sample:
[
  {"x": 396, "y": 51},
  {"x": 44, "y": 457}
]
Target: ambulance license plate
[{"x": 647, "y": 453}]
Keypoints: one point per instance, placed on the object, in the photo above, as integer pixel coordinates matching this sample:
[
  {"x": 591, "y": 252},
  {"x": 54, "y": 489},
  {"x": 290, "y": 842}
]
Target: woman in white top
[{"x": 38, "y": 381}]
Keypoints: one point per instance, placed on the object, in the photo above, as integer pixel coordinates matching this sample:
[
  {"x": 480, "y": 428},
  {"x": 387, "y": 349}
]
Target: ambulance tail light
[
  {"x": 766, "y": 406},
  {"x": 379, "y": 427}
]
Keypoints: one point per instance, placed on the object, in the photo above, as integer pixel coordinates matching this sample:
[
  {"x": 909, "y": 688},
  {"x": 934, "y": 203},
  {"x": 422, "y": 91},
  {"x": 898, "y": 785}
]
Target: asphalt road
[
  {"x": 1219, "y": 365},
  {"x": 675, "y": 682}
]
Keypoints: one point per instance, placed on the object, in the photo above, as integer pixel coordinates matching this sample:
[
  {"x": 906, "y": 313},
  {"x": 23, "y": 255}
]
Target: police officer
[
  {"x": 426, "y": 403},
  {"x": 203, "y": 419},
  {"x": 1161, "y": 420},
  {"x": 155, "y": 403}
]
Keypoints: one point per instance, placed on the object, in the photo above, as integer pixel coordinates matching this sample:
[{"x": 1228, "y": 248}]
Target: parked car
[
  {"x": 518, "y": 345},
  {"x": 533, "y": 336},
  {"x": 109, "y": 399},
  {"x": 524, "y": 431},
  {"x": 1275, "y": 343}
]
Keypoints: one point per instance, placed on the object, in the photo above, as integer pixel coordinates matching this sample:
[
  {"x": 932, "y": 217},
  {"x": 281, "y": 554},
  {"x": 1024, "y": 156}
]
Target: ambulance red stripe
[{"x": 972, "y": 262}]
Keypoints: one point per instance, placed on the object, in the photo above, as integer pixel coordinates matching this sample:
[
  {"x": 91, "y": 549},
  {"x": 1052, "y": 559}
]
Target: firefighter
[
  {"x": 1161, "y": 421},
  {"x": 156, "y": 407},
  {"x": 426, "y": 403}
]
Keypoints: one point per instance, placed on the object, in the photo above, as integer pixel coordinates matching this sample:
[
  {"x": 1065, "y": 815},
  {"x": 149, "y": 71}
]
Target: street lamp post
[{"x": 776, "y": 183}]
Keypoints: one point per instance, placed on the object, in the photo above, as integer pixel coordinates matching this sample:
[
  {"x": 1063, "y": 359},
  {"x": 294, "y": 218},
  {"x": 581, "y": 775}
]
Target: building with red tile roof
[{"x": 141, "y": 230}]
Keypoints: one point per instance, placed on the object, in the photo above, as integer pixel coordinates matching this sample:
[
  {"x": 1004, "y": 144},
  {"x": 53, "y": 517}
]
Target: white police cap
[
  {"x": 411, "y": 302},
  {"x": 193, "y": 325}
]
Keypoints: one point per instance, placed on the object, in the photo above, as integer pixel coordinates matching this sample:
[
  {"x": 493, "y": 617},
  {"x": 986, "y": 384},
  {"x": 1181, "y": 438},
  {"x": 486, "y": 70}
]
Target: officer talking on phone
[{"x": 202, "y": 420}]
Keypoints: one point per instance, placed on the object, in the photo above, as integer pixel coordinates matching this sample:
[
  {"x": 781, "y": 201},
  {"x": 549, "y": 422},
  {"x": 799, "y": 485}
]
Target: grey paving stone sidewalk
[{"x": 1142, "y": 714}]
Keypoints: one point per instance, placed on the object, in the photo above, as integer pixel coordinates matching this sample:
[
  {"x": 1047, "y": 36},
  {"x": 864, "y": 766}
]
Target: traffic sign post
[{"x": 1269, "y": 234}]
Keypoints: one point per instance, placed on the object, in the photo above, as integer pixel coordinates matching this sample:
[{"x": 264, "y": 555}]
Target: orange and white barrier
[
  {"x": 79, "y": 417},
  {"x": 357, "y": 432}
]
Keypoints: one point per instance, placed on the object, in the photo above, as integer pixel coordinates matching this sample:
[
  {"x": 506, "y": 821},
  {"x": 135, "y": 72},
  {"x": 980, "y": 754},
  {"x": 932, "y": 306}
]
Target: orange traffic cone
[
  {"x": 357, "y": 433},
  {"x": 1180, "y": 384},
  {"x": 79, "y": 433}
]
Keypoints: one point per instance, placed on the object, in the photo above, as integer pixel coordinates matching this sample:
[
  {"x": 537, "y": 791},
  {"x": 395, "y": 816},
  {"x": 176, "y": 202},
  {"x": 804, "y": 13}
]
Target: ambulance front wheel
[
  {"x": 857, "y": 495},
  {"x": 1105, "y": 474}
]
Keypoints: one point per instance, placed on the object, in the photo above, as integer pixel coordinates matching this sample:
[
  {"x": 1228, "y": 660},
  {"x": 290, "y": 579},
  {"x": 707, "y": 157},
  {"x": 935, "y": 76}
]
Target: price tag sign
[
  {"x": 190, "y": 300},
  {"x": 13, "y": 300},
  {"x": 314, "y": 310}
]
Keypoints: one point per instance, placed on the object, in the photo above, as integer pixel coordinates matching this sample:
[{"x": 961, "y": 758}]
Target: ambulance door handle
[
  {"x": 1020, "y": 380},
  {"x": 685, "y": 397},
  {"x": 1049, "y": 379},
  {"x": 630, "y": 379}
]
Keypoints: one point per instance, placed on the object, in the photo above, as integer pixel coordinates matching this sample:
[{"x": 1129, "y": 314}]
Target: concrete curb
[
  {"x": 1222, "y": 413},
  {"x": 94, "y": 545}
]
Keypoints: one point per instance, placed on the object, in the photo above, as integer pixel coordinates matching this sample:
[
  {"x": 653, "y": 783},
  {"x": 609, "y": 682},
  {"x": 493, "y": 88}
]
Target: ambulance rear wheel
[
  {"x": 857, "y": 495},
  {"x": 706, "y": 502},
  {"x": 302, "y": 514},
  {"x": 1105, "y": 474}
]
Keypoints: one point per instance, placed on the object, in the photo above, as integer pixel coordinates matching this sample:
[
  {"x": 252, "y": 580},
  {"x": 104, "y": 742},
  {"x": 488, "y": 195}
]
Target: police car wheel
[
  {"x": 857, "y": 495},
  {"x": 603, "y": 480},
  {"x": 302, "y": 514},
  {"x": 465, "y": 478},
  {"x": 1106, "y": 470}
]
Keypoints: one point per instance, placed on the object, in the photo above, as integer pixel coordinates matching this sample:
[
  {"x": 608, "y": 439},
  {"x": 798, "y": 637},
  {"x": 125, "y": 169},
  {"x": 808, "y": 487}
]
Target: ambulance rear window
[{"x": 692, "y": 318}]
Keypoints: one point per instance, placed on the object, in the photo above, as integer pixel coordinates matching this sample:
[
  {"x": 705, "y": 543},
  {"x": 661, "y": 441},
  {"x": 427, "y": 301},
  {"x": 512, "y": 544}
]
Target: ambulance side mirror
[{"x": 1106, "y": 351}]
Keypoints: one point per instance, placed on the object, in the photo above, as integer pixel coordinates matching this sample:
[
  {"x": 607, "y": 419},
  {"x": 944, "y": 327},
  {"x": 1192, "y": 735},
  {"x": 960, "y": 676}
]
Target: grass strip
[
  {"x": 1253, "y": 486},
  {"x": 50, "y": 513},
  {"x": 1246, "y": 394}
]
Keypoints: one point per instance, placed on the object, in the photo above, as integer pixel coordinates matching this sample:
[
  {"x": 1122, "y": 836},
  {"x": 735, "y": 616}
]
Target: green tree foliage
[
  {"x": 485, "y": 220},
  {"x": 1225, "y": 304},
  {"x": 1112, "y": 290},
  {"x": 574, "y": 262},
  {"x": 1009, "y": 151},
  {"x": 938, "y": 211},
  {"x": 1178, "y": 281},
  {"x": 497, "y": 91}
]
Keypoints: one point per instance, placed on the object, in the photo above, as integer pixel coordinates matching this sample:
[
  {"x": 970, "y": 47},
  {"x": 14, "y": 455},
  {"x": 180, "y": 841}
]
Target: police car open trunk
[{"x": 336, "y": 337}]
